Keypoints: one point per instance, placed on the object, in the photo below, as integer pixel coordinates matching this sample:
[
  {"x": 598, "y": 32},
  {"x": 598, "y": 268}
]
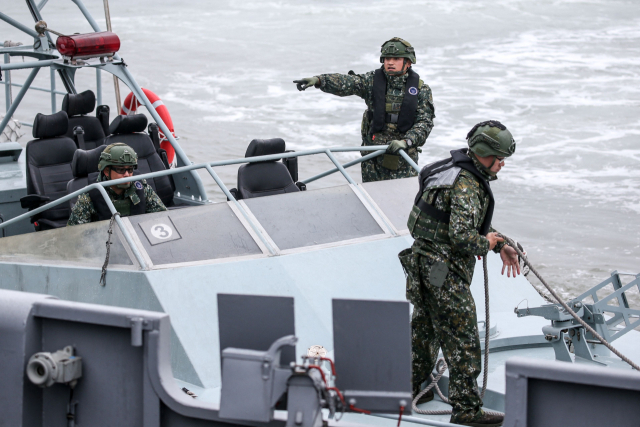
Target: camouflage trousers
[
  {"x": 373, "y": 170},
  {"x": 446, "y": 319}
]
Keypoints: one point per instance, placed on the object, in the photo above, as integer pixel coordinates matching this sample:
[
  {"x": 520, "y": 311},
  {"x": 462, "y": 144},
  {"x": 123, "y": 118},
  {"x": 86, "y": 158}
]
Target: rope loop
[{"x": 103, "y": 275}]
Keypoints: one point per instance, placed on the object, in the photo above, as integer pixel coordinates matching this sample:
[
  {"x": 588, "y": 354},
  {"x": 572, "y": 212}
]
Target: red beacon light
[{"x": 91, "y": 45}]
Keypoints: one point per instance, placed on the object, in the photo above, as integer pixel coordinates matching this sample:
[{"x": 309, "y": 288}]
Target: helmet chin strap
[
  {"x": 402, "y": 71},
  {"x": 485, "y": 169}
]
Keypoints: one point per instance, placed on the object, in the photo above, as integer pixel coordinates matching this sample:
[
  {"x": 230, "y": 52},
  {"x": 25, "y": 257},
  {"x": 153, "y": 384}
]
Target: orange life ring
[{"x": 131, "y": 104}]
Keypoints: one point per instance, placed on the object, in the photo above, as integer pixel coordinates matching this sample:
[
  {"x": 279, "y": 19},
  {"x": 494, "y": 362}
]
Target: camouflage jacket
[
  {"x": 362, "y": 86},
  {"x": 84, "y": 211},
  {"x": 459, "y": 242}
]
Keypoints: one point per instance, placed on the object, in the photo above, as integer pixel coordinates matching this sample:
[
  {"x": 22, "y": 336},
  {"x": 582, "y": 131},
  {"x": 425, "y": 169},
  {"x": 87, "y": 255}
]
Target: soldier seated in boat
[
  {"x": 117, "y": 161},
  {"x": 399, "y": 112},
  {"x": 451, "y": 224}
]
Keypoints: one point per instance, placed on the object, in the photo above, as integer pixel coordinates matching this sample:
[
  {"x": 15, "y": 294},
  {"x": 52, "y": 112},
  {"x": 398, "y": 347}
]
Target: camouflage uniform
[
  {"x": 362, "y": 86},
  {"x": 84, "y": 211},
  {"x": 445, "y": 317}
]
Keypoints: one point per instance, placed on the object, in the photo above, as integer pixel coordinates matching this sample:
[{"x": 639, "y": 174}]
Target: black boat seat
[
  {"x": 77, "y": 107},
  {"x": 264, "y": 178},
  {"x": 83, "y": 166},
  {"x": 129, "y": 130},
  {"x": 48, "y": 169}
]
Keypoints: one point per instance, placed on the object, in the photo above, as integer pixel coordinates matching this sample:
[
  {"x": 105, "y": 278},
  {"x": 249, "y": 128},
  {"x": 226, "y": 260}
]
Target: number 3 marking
[{"x": 161, "y": 231}]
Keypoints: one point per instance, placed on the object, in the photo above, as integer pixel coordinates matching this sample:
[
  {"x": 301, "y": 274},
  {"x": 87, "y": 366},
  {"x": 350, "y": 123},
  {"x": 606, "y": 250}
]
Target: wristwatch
[{"x": 409, "y": 142}]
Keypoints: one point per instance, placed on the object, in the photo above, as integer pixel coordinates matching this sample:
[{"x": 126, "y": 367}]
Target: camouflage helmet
[
  {"x": 491, "y": 138},
  {"x": 397, "y": 48},
  {"x": 118, "y": 154}
]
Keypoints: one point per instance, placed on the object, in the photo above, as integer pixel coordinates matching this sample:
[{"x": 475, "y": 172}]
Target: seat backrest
[
  {"x": 49, "y": 158},
  {"x": 129, "y": 130},
  {"x": 85, "y": 163},
  {"x": 77, "y": 106},
  {"x": 268, "y": 177}
]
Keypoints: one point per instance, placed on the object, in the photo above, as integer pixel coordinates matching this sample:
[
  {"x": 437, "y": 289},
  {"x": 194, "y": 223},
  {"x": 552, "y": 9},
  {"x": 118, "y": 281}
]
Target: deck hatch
[
  {"x": 314, "y": 217},
  {"x": 205, "y": 233}
]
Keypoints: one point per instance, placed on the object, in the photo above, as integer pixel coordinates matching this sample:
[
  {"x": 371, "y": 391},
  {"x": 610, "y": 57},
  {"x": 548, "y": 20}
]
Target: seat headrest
[
  {"x": 86, "y": 161},
  {"x": 264, "y": 147},
  {"x": 79, "y": 103},
  {"x": 51, "y": 125},
  {"x": 128, "y": 124}
]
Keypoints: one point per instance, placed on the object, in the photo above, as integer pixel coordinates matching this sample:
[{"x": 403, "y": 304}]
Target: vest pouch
[
  {"x": 409, "y": 262},
  {"x": 123, "y": 206},
  {"x": 391, "y": 162}
]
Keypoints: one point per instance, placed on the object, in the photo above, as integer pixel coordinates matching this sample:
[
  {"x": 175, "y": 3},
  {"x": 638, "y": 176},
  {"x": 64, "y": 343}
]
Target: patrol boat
[{"x": 283, "y": 305}]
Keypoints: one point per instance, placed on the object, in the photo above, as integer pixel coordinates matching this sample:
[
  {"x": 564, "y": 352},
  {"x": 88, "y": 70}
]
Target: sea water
[{"x": 563, "y": 76}]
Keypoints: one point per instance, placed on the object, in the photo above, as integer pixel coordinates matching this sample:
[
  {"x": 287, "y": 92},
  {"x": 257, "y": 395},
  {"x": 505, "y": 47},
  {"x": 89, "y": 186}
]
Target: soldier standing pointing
[
  {"x": 399, "y": 110},
  {"x": 451, "y": 224}
]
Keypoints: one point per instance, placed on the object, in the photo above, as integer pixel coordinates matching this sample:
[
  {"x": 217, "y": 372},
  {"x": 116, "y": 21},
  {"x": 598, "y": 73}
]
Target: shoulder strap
[
  {"x": 379, "y": 98},
  {"x": 78, "y": 133},
  {"x": 434, "y": 212},
  {"x": 98, "y": 200},
  {"x": 425, "y": 173},
  {"x": 471, "y": 168},
  {"x": 101, "y": 206},
  {"x": 141, "y": 207},
  {"x": 155, "y": 135},
  {"x": 409, "y": 102}
]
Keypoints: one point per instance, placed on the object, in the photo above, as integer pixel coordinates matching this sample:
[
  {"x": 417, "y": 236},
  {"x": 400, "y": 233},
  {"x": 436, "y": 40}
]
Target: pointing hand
[{"x": 302, "y": 84}]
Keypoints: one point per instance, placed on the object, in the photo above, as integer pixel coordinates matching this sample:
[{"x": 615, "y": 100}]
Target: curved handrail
[{"x": 100, "y": 186}]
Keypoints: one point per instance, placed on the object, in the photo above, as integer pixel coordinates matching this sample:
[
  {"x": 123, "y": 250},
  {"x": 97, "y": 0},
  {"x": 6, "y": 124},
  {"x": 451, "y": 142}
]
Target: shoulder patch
[{"x": 138, "y": 185}]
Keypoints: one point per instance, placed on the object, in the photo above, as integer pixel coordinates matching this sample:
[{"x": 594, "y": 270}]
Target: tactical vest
[
  {"x": 443, "y": 174},
  {"x": 406, "y": 116},
  {"x": 124, "y": 206}
]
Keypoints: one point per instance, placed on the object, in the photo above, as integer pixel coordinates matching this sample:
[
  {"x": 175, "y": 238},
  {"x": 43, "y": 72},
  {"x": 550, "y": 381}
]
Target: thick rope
[
  {"x": 103, "y": 276},
  {"x": 564, "y": 305},
  {"x": 441, "y": 364},
  {"x": 487, "y": 327}
]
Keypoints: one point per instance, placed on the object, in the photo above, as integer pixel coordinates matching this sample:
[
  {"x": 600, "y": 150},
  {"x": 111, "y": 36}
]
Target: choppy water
[{"x": 563, "y": 76}]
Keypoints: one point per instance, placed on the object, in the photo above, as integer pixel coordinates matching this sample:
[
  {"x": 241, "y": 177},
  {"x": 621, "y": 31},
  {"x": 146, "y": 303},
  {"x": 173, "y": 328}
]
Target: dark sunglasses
[{"x": 122, "y": 169}]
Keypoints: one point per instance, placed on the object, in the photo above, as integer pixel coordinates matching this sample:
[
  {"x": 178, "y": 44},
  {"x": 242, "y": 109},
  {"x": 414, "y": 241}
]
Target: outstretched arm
[{"x": 347, "y": 84}]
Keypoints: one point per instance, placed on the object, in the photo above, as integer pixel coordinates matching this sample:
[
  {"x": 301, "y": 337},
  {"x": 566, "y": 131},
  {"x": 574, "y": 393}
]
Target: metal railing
[
  {"x": 52, "y": 90},
  {"x": 376, "y": 151},
  {"x": 190, "y": 182}
]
